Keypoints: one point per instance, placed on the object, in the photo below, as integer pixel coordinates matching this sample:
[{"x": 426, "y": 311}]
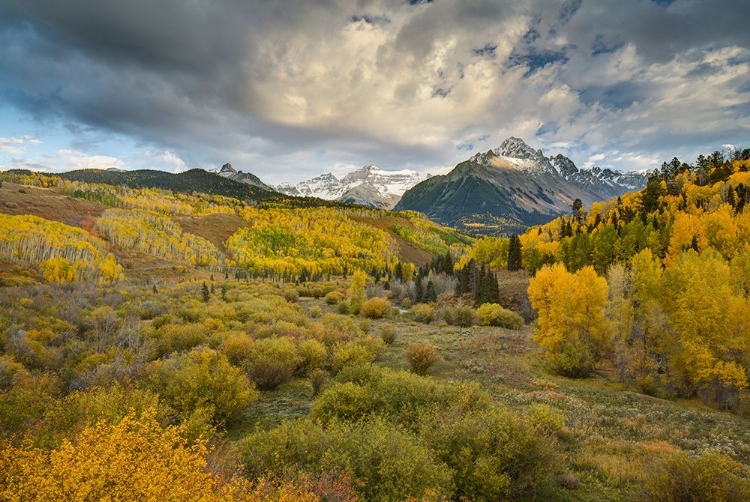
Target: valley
[{"x": 288, "y": 349}]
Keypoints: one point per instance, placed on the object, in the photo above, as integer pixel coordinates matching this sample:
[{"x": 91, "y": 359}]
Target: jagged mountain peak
[
  {"x": 515, "y": 154},
  {"x": 516, "y": 148},
  {"x": 226, "y": 170}
]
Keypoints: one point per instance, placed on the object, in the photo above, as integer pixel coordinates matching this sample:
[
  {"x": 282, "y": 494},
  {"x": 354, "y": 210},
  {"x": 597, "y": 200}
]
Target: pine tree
[
  {"x": 399, "y": 272},
  {"x": 418, "y": 288},
  {"x": 514, "y": 253},
  {"x": 156, "y": 291},
  {"x": 205, "y": 293},
  {"x": 430, "y": 295}
]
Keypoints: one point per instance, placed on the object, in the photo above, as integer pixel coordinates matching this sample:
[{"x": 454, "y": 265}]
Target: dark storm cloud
[{"x": 386, "y": 81}]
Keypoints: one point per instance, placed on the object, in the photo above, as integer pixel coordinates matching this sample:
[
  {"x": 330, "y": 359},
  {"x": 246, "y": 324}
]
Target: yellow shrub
[{"x": 375, "y": 308}]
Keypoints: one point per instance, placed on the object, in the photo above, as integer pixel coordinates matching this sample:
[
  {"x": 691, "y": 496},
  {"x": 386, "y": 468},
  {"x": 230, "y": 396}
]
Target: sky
[{"x": 288, "y": 90}]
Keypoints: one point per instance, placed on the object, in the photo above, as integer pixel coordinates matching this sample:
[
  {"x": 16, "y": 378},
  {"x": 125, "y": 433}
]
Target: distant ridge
[{"x": 194, "y": 180}]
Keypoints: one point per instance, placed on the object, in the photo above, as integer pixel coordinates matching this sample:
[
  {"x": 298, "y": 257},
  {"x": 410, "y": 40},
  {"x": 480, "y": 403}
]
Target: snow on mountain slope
[{"x": 369, "y": 185}]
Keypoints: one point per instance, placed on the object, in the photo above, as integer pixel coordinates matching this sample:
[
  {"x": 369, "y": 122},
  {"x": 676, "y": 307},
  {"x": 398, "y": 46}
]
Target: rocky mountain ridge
[{"x": 513, "y": 187}]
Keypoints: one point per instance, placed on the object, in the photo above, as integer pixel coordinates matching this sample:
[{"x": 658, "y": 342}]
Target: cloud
[
  {"x": 287, "y": 92},
  {"x": 166, "y": 158},
  {"x": 69, "y": 160},
  {"x": 17, "y": 145}
]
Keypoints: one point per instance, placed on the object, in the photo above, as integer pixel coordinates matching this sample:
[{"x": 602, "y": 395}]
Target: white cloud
[
  {"x": 17, "y": 145},
  {"x": 69, "y": 160},
  {"x": 166, "y": 158}
]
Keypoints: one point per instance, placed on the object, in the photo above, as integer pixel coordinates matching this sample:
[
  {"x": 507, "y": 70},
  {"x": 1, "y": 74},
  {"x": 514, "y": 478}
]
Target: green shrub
[
  {"x": 346, "y": 401},
  {"x": 421, "y": 357},
  {"x": 315, "y": 312},
  {"x": 405, "y": 398},
  {"x": 545, "y": 419},
  {"x": 202, "y": 378},
  {"x": 710, "y": 477},
  {"x": 462, "y": 315},
  {"x": 178, "y": 338},
  {"x": 390, "y": 463},
  {"x": 338, "y": 328},
  {"x": 575, "y": 361},
  {"x": 334, "y": 297},
  {"x": 268, "y": 373},
  {"x": 362, "y": 351},
  {"x": 494, "y": 454},
  {"x": 424, "y": 313},
  {"x": 282, "y": 349},
  {"x": 375, "y": 308},
  {"x": 343, "y": 307},
  {"x": 492, "y": 314}
]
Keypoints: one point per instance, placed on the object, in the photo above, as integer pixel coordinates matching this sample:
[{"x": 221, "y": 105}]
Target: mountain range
[
  {"x": 513, "y": 187},
  {"x": 502, "y": 190},
  {"x": 367, "y": 186}
]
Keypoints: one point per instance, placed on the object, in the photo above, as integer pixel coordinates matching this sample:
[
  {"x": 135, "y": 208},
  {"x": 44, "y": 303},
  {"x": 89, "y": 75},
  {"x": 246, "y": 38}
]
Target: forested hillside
[{"x": 654, "y": 283}]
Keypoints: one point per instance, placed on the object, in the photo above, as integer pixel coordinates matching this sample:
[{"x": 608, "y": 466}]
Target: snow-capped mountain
[
  {"x": 369, "y": 186},
  {"x": 227, "y": 171},
  {"x": 512, "y": 187}
]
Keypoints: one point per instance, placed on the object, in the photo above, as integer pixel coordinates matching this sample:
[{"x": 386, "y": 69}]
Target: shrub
[
  {"x": 315, "y": 312},
  {"x": 338, "y": 328},
  {"x": 291, "y": 295},
  {"x": 313, "y": 354},
  {"x": 406, "y": 303},
  {"x": 462, "y": 315},
  {"x": 238, "y": 348},
  {"x": 545, "y": 419},
  {"x": 390, "y": 462},
  {"x": 346, "y": 401},
  {"x": 711, "y": 476},
  {"x": 135, "y": 459},
  {"x": 362, "y": 351},
  {"x": 492, "y": 314},
  {"x": 388, "y": 335},
  {"x": 318, "y": 379},
  {"x": 343, "y": 307},
  {"x": 202, "y": 378},
  {"x": 421, "y": 357},
  {"x": 575, "y": 361},
  {"x": 268, "y": 373},
  {"x": 424, "y": 313},
  {"x": 334, "y": 297},
  {"x": 375, "y": 308},
  {"x": 494, "y": 454},
  {"x": 282, "y": 349}
]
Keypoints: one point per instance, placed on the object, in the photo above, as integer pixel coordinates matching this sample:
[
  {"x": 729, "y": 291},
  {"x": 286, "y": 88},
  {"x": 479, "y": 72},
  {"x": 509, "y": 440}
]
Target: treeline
[{"x": 655, "y": 283}]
